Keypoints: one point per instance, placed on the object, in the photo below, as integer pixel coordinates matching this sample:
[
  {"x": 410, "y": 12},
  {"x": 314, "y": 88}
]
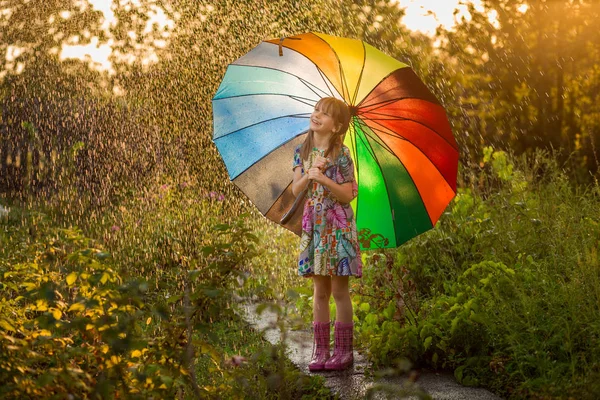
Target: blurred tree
[{"x": 519, "y": 69}]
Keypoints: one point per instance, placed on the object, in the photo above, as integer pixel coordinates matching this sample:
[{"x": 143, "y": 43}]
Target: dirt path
[{"x": 353, "y": 383}]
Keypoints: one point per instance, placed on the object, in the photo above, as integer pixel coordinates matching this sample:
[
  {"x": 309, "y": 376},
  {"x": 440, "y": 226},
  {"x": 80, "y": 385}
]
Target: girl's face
[{"x": 321, "y": 122}]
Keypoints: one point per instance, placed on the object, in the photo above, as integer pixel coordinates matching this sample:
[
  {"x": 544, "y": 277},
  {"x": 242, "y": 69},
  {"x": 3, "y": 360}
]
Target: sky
[
  {"x": 420, "y": 15},
  {"x": 426, "y": 15}
]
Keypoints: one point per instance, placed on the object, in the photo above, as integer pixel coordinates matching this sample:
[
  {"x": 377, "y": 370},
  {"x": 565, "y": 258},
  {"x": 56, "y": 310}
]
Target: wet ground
[{"x": 354, "y": 383}]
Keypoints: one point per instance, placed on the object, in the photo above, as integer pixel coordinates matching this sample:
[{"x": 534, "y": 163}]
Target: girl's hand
[
  {"x": 320, "y": 162},
  {"x": 316, "y": 175}
]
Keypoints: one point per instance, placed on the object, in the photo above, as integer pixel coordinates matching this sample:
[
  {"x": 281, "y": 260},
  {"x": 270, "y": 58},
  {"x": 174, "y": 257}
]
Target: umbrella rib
[
  {"x": 278, "y": 197},
  {"x": 326, "y": 80},
  {"x": 264, "y": 94},
  {"x": 362, "y": 70},
  {"x": 376, "y": 106},
  {"x": 409, "y": 176},
  {"x": 383, "y": 79},
  {"x": 306, "y": 115},
  {"x": 291, "y": 74},
  {"x": 387, "y": 103},
  {"x": 387, "y": 192},
  {"x": 353, "y": 140},
  {"x": 309, "y": 86},
  {"x": 332, "y": 87},
  {"x": 343, "y": 79},
  {"x": 374, "y": 120},
  {"x": 398, "y": 136},
  {"x": 267, "y": 154},
  {"x": 396, "y": 99},
  {"x": 383, "y": 144}
]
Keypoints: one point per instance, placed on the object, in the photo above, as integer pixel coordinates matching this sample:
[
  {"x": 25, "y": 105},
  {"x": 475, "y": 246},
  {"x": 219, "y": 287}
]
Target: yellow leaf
[
  {"x": 104, "y": 348},
  {"x": 77, "y": 307},
  {"x": 5, "y": 325},
  {"x": 41, "y": 305},
  {"x": 104, "y": 278},
  {"x": 115, "y": 359},
  {"x": 71, "y": 278},
  {"x": 148, "y": 320},
  {"x": 56, "y": 313},
  {"x": 163, "y": 386},
  {"x": 136, "y": 354},
  {"x": 29, "y": 286},
  {"x": 45, "y": 332},
  {"x": 89, "y": 326}
]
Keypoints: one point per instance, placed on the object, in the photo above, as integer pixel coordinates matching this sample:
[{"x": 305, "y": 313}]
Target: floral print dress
[{"x": 329, "y": 243}]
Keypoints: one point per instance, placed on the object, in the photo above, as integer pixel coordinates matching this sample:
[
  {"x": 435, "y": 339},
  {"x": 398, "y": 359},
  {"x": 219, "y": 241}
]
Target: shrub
[{"x": 507, "y": 285}]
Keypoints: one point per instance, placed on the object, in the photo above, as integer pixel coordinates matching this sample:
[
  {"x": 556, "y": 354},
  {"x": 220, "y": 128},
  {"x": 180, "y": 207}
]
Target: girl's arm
[
  {"x": 300, "y": 181},
  {"x": 341, "y": 192}
]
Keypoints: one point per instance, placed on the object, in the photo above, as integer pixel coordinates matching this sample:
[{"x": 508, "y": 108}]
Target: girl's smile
[{"x": 321, "y": 122}]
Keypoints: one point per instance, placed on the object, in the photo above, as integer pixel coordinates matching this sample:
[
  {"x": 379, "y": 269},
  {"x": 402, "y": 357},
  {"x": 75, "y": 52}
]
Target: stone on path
[{"x": 352, "y": 383}]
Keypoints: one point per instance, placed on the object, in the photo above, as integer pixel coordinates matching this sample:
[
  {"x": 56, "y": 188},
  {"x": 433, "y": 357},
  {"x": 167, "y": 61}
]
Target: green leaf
[
  {"x": 173, "y": 299},
  {"x": 458, "y": 373},
  {"x": 427, "y": 342},
  {"x": 212, "y": 292}
]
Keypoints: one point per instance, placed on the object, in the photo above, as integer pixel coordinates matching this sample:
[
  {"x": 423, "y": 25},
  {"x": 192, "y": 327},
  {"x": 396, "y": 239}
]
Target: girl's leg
[
  {"x": 344, "y": 328},
  {"x": 341, "y": 295},
  {"x": 321, "y": 327},
  {"x": 321, "y": 295}
]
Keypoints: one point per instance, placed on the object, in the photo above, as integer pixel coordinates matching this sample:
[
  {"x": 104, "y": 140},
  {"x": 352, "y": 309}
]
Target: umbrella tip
[{"x": 353, "y": 110}]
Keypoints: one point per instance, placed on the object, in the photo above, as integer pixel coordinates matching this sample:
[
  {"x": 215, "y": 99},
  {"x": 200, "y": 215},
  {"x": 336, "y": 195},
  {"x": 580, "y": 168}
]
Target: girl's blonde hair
[{"x": 340, "y": 113}]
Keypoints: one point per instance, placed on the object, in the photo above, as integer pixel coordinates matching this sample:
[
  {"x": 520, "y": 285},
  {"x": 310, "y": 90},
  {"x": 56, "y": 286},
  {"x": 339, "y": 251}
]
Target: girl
[{"x": 329, "y": 250}]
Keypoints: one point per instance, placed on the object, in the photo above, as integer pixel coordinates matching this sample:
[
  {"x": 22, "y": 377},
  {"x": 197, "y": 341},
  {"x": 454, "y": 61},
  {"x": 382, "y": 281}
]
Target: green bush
[
  {"x": 68, "y": 322},
  {"x": 146, "y": 312},
  {"x": 505, "y": 290}
]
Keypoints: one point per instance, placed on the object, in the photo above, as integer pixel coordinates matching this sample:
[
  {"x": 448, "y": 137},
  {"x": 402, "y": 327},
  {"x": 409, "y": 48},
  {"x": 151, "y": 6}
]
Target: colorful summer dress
[{"x": 329, "y": 243}]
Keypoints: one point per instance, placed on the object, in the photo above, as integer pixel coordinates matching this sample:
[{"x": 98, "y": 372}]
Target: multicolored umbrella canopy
[{"x": 404, "y": 153}]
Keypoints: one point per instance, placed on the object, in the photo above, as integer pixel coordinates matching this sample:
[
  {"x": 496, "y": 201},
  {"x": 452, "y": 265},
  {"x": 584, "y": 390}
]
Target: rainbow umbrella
[{"x": 404, "y": 153}]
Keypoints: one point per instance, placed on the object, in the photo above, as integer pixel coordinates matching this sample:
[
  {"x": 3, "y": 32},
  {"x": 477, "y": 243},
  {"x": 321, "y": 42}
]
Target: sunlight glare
[
  {"x": 100, "y": 55},
  {"x": 426, "y": 15}
]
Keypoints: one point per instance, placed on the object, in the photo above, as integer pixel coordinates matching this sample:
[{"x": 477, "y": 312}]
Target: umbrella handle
[{"x": 288, "y": 215}]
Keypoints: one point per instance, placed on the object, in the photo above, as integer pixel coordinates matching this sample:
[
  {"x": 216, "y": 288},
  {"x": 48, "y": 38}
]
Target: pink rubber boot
[
  {"x": 342, "y": 353},
  {"x": 321, "y": 355}
]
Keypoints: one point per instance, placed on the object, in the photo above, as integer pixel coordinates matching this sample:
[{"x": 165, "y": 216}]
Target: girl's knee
[
  {"x": 321, "y": 296},
  {"x": 341, "y": 294},
  {"x": 322, "y": 285}
]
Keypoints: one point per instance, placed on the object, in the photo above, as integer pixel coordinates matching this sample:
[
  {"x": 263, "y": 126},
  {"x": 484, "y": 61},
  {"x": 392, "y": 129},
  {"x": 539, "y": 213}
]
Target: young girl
[{"x": 329, "y": 250}]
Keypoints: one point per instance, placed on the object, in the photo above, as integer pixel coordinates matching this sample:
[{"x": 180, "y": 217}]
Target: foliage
[
  {"x": 70, "y": 324},
  {"x": 74, "y": 321},
  {"x": 507, "y": 285},
  {"x": 524, "y": 75}
]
